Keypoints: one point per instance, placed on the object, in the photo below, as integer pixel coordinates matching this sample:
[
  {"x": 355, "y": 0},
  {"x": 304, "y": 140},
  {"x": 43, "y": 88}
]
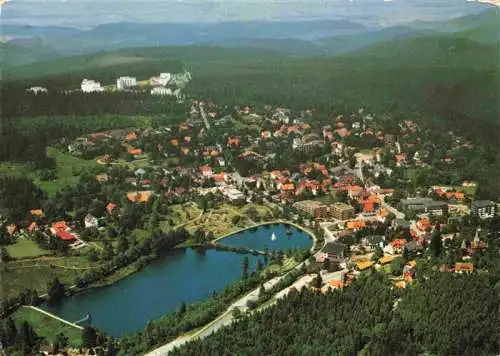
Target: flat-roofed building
[
  {"x": 312, "y": 208},
  {"x": 341, "y": 211},
  {"x": 484, "y": 209}
]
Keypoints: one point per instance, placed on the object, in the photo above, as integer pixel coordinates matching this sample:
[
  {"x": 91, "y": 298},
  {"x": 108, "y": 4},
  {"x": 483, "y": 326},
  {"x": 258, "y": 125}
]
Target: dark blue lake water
[{"x": 180, "y": 276}]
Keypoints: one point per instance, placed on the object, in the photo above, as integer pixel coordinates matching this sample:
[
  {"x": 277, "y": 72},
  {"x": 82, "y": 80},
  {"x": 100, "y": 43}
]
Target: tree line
[{"x": 445, "y": 315}]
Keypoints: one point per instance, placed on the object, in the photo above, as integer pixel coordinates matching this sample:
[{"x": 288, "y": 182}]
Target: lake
[
  {"x": 287, "y": 237},
  {"x": 183, "y": 275}
]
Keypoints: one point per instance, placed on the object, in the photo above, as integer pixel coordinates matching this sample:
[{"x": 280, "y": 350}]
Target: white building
[
  {"x": 162, "y": 80},
  {"x": 125, "y": 82},
  {"x": 36, "y": 90},
  {"x": 161, "y": 91},
  {"x": 90, "y": 221},
  {"x": 91, "y": 86}
]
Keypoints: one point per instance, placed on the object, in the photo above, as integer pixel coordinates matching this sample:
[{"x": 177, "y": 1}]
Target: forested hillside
[{"x": 445, "y": 315}]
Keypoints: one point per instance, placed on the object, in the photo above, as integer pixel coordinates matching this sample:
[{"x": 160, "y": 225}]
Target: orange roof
[
  {"x": 424, "y": 224},
  {"x": 356, "y": 224},
  {"x": 220, "y": 177},
  {"x": 174, "y": 142},
  {"x": 385, "y": 259},
  {"x": 139, "y": 197},
  {"x": 131, "y": 136},
  {"x": 383, "y": 212},
  {"x": 354, "y": 188},
  {"x": 135, "y": 151},
  {"x": 408, "y": 277},
  {"x": 288, "y": 186},
  {"x": 464, "y": 267},
  {"x": 374, "y": 199},
  {"x": 368, "y": 206},
  {"x": 60, "y": 225},
  {"x": 400, "y": 284},
  {"x": 37, "y": 212},
  {"x": 398, "y": 243},
  {"x": 233, "y": 141},
  {"x": 336, "y": 283},
  {"x": 110, "y": 207},
  {"x": 33, "y": 227},
  {"x": 11, "y": 229},
  {"x": 364, "y": 265}
]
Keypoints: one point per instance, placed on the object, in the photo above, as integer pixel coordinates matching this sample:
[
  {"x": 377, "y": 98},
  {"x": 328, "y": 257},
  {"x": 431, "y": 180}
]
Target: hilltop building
[
  {"x": 162, "y": 80},
  {"x": 125, "y": 82},
  {"x": 161, "y": 91},
  {"x": 36, "y": 90},
  {"x": 91, "y": 86}
]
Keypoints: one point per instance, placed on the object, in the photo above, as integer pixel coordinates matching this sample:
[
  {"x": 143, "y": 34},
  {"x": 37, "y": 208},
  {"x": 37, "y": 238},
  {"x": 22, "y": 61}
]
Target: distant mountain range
[{"x": 28, "y": 44}]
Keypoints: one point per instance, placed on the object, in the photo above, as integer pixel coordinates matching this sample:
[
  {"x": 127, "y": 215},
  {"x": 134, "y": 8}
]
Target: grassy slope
[
  {"x": 65, "y": 164},
  {"x": 38, "y": 273},
  {"x": 46, "y": 326},
  {"x": 25, "y": 248}
]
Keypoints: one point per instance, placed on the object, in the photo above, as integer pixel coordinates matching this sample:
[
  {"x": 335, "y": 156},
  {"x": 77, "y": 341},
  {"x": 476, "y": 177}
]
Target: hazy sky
[{"x": 89, "y": 13}]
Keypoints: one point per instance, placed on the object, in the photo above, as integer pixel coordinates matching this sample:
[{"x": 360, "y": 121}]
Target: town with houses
[
  {"x": 348, "y": 182},
  {"x": 337, "y": 190}
]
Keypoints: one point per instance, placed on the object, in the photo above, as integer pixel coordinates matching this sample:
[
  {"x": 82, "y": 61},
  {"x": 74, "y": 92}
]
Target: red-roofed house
[
  {"x": 131, "y": 136},
  {"x": 110, "y": 208},
  {"x": 288, "y": 187},
  {"x": 135, "y": 151},
  {"x": 220, "y": 178},
  {"x": 66, "y": 236},
  {"x": 395, "y": 247},
  {"x": 233, "y": 141},
  {"x": 206, "y": 171},
  {"x": 424, "y": 224},
  {"x": 400, "y": 159}
]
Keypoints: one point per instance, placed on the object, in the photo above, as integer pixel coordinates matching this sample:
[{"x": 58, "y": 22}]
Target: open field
[
  {"x": 46, "y": 326},
  {"x": 65, "y": 163},
  {"x": 38, "y": 273},
  {"x": 181, "y": 214},
  {"x": 219, "y": 220},
  {"x": 25, "y": 248}
]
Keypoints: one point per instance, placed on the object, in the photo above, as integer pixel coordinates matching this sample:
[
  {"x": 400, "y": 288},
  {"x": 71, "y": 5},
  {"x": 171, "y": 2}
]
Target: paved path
[{"x": 54, "y": 317}]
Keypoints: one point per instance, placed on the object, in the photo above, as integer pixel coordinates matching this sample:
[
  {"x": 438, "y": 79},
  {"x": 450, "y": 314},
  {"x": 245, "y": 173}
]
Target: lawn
[
  {"x": 46, "y": 326},
  {"x": 25, "y": 248},
  {"x": 37, "y": 274},
  {"x": 467, "y": 190},
  {"x": 65, "y": 163},
  {"x": 181, "y": 214}
]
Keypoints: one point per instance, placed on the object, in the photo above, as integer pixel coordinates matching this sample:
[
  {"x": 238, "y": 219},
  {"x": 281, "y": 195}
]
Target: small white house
[
  {"x": 36, "y": 90},
  {"x": 90, "y": 221},
  {"x": 91, "y": 86},
  {"x": 161, "y": 91}
]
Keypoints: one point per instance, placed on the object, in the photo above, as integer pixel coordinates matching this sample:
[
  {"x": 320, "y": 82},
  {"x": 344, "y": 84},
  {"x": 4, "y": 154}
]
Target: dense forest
[{"x": 446, "y": 315}]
